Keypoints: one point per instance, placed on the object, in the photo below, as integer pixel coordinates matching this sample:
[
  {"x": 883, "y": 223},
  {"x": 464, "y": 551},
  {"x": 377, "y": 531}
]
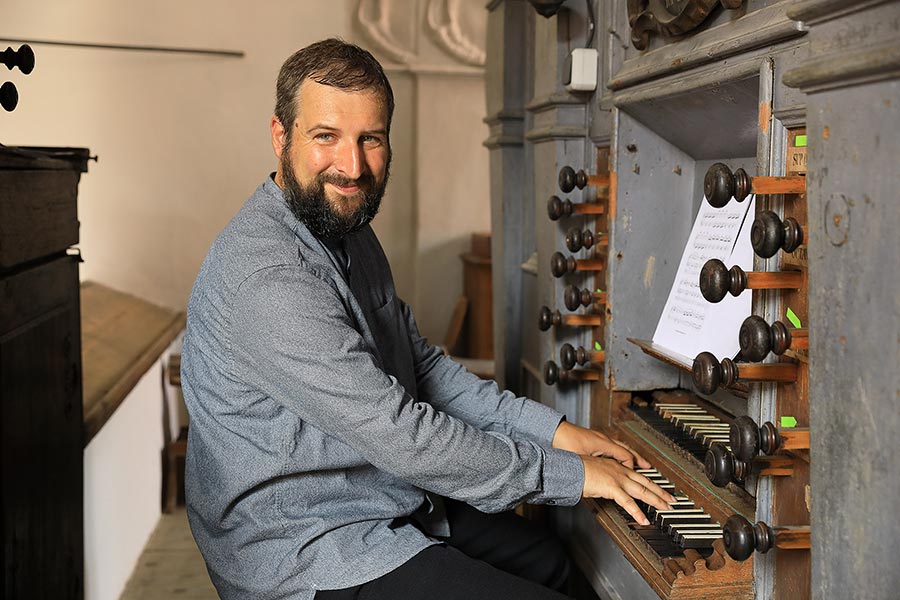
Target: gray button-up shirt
[{"x": 320, "y": 417}]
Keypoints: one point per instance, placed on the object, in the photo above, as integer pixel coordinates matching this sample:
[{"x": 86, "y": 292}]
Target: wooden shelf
[{"x": 121, "y": 338}]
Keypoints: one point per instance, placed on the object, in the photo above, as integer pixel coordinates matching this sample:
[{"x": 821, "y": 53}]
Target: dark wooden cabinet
[{"x": 42, "y": 550}]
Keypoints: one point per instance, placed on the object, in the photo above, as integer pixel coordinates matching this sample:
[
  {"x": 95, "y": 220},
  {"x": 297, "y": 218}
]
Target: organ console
[
  {"x": 646, "y": 182},
  {"x": 741, "y": 537},
  {"x": 722, "y": 466},
  {"x": 557, "y": 208},
  {"x": 548, "y": 319},
  {"x": 575, "y": 298},
  {"x": 569, "y": 356},
  {"x": 569, "y": 180},
  {"x": 553, "y": 374},
  {"x": 748, "y": 439},
  {"x": 717, "y": 280},
  {"x": 757, "y": 338},
  {"x": 576, "y": 239},
  {"x": 709, "y": 374},
  {"x": 769, "y": 234},
  {"x": 561, "y": 264},
  {"x": 720, "y": 185}
]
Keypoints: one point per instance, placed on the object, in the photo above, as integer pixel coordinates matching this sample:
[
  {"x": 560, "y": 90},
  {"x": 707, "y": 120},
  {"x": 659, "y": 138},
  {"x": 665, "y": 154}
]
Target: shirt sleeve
[
  {"x": 293, "y": 339},
  {"x": 450, "y": 387}
]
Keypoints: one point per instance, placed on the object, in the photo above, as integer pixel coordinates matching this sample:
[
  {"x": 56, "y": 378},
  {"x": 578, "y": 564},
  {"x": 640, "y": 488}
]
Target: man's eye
[
  {"x": 371, "y": 140},
  {"x": 325, "y": 137}
]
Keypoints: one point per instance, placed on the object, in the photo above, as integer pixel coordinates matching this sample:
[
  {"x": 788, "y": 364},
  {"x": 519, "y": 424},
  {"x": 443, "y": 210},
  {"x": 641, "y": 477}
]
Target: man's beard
[{"x": 312, "y": 207}]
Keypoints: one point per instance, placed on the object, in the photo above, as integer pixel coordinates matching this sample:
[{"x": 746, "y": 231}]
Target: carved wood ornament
[{"x": 669, "y": 18}]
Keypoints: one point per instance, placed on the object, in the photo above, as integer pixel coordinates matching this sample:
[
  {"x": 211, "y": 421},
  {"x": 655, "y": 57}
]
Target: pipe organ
[{"x": 786, "y": 107}]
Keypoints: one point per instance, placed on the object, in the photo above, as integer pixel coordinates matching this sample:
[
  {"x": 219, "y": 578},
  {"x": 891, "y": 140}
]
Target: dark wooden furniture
[{"x": 40, "y": 375}]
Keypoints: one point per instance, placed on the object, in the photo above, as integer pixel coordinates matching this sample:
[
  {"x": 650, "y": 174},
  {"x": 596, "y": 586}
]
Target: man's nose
[{"x": 349, "y": 161}]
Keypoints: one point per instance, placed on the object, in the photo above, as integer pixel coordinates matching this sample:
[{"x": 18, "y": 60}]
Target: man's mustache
[{"x": 365, "y": 181}]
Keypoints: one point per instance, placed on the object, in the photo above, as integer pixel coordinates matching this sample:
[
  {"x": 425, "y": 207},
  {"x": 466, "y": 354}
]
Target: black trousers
[{"x": 497, "y": 557}]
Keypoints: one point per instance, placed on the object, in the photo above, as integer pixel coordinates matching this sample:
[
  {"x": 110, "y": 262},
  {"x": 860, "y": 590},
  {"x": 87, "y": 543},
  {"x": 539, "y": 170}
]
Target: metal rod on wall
[{"x": 205, "y": 51}]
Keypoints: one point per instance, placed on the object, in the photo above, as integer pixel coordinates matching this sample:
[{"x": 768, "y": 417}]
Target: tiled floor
[{"x": 171, "y": 565}]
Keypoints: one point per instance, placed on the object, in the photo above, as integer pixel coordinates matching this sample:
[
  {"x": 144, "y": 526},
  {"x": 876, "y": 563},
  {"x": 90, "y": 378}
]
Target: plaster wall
[{"x": 183, "y": 139}]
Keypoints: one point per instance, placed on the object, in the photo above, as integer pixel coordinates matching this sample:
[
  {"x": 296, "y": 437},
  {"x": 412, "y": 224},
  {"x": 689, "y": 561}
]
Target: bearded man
[{"x": 333, "y": 453}]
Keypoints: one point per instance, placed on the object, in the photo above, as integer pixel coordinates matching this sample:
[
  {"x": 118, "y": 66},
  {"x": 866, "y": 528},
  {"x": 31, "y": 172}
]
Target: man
[{"x": 333, "y": 453}]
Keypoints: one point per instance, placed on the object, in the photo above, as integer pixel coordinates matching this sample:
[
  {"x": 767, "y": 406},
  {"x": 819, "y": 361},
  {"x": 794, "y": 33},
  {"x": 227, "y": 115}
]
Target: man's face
[{"x": 333, "y": 167}]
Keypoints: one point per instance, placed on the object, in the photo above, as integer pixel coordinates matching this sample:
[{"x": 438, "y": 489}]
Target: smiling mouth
[{"x": 346, "y": 190}]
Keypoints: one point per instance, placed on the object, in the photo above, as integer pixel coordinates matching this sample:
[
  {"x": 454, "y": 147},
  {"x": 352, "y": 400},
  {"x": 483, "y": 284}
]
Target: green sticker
[
  {"x": 800, "y": 141},
  {"x": 599, "y": 291},
  {"x": 788, "y": 422},
  {"x": 794, "y": 319},
  {"x": 597, "y": 346}
]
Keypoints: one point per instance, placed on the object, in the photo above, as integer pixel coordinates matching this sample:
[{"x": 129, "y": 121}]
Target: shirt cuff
[
  {"x": 563, "y": 478},
  {"x": 538, "y": 422}
]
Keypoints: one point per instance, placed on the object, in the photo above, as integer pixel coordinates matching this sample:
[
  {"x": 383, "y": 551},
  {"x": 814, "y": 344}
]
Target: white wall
[
  {"x": 183, "y": 139},
  {"x": 122, "y": 483}
]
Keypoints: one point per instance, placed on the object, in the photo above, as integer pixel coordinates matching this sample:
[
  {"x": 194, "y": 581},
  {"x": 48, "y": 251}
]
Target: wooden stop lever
[
  {"x": 561, "y": 264},
  {"x": 569, "y": 180},
  {"x": 709, "y": 374},
  {"x": 575, "y": 298},
  {"x": 557, "y": 208},
  {"x": 757, "y": 338},
  {"x": 748, "y": 439},
  {"x": 717, "y": 280},
  {"x": 722, "y": 466},
  {"x": 577, "y": 239},
  {"x": 769, "y": 234},
  {"x": 721, "y": 185},
  {"x": 569, "y": 356},
  {"x": 741, "y": 537},
  {"x": 553, "y": 375},
  {"x": 548, "y": 319}
]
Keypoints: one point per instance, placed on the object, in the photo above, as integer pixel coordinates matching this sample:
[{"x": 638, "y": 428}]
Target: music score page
[{"x": 689, "y": 324}]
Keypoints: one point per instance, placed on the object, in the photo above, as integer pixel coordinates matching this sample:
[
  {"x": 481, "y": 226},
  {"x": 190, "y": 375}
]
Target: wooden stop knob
[
  {"x": 722, "y": 467},
  {"x": 569, "y": 179},
  {"x": 9, "y": 96},
  {"x": 557, "y": 208},
  {"x": 708, "y": 373},
  {"x": 22, "y": 58},
  {"x": 575, "y": 298},
  {"x": 551, "y": 373},
  {"x": 769, "y": 234},
  {"x": 757, "y": 338},
  {"x": 548, "y": 318},
  {"x": 717, "y": 280},
  {"x": 560, "y": 264},
  {"x": 720, "y": 185},
  {"x": 576, "y": 239},
  {"x": 741, "y": 537}
]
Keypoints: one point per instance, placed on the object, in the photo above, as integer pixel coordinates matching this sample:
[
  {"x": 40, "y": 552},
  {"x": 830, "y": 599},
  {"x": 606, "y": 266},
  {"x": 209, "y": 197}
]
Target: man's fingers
[
  {"x": 627, "y": 502},
  {"x": 622, "y": 455},
  {"x": 647, "y": 484},
  {"x": 640, "y": 460},
  {"x": 641, "y": 492}
]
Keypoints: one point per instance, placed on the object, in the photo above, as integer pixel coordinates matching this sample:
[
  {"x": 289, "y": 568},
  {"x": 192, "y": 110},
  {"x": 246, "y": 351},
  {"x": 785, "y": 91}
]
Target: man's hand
[
  {"x": 606, "y": 478},
  {"x": 593, "y": 443}
]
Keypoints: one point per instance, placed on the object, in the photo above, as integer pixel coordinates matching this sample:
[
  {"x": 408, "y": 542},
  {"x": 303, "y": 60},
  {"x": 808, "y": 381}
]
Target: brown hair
[{"x": 331, "y": 62}]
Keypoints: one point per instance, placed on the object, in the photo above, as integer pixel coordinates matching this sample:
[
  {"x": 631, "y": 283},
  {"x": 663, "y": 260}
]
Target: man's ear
[{"x": 278, "y": 136}]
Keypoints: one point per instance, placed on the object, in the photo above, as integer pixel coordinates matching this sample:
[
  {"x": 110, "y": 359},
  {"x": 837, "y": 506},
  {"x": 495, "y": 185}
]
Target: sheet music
[{"x": 689, "y": 324}]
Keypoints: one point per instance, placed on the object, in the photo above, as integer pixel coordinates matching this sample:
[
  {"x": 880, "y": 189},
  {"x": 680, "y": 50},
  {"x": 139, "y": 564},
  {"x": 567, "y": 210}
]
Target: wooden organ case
[{"x": 780, "y": 453}]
